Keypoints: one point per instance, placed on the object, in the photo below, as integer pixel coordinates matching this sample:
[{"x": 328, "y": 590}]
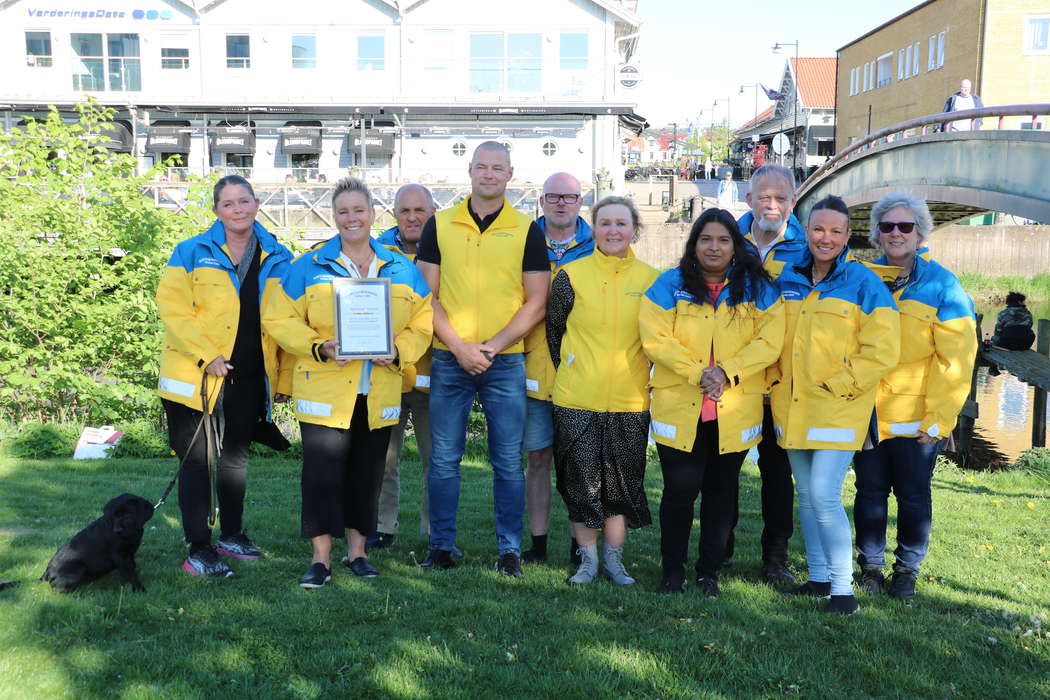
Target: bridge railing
[{"x": 922, "y": 126}]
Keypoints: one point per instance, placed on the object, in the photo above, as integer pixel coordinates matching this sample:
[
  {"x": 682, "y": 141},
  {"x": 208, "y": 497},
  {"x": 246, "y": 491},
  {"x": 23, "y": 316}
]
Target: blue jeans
[
  {"x": 829, "y": 548},
  {"x": 501, "y": 389},
  {"x": 905, "y": 466}
]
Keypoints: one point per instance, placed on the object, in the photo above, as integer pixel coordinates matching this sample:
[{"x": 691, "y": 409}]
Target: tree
[{"x": 81, "y": 250}]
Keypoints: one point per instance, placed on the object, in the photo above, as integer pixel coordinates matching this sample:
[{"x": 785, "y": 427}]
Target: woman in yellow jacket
[
  {"x": 345, "y": 407},
  {"x": 843, "y": 336},
  {"x": 601, "y": 401},
  {"x": 918, "y": 401},
  {"x": 711, "y": 327},
  {"x": 209, "y": 299}
]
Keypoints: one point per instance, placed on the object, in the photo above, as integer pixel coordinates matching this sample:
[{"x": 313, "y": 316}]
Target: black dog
[{"x": 108, "y": 543}]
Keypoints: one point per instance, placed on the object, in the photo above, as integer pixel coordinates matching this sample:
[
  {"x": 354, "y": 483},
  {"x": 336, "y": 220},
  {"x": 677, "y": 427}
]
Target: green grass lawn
[{"x": 978, "y": 629}]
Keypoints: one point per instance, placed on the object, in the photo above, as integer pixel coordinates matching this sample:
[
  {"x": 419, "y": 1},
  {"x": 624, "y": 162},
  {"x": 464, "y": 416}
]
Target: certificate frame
[{"x": 363, "y": 323}]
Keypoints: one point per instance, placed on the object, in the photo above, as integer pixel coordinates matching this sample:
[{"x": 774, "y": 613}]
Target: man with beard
[{"x": 779, "y": 240}]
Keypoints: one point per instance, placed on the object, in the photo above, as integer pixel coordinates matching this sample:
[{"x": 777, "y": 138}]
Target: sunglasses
[
  {"x": 904, "y": 226},
  {"x": 553, "y": 198}
]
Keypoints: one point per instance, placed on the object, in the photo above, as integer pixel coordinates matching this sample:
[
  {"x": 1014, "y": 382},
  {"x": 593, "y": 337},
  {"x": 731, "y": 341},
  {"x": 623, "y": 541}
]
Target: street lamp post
[
  {"x": 754, "y": 86},
  {"x": 794, "y": 81}
]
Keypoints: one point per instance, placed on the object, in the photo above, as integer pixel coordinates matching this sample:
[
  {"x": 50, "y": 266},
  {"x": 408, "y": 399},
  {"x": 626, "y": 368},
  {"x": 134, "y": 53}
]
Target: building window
[
  {"x": 915, "y": 58},
  {"x": 174, "y": 59},
  {"x": 238, "y": 51},
  {"x": 900, "y": 64},
  {"x": 867, "y": 78},
  {"x": 573, "y": 52},
  {"x": 931, "y": 55},
  {"x": 908, "y": 59},
  {"x": 38, "y": 49},
  {"x": 1037, "y": 34},
  {"x": 825, "y": 147},
  {"x": 371, "y": 53},
  {"x": 304, "y": 51},
  {"x": 119, "y": 56},
  {"x": 940, "y": 50},
  {"x": 550, "y": 148},
  {"x": 884, "y": 66},
  {"x": 459, "y": 148},
  {"x": 437, "y": 52},
  {"x": 871, "y": 76},
  {"x": 505, "y": 62}
]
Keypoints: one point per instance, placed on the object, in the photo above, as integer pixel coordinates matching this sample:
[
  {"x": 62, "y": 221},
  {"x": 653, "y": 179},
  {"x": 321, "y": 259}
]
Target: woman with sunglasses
[
  {"x": 843, "y": 335},
  {"x": 917, "y": 402}
]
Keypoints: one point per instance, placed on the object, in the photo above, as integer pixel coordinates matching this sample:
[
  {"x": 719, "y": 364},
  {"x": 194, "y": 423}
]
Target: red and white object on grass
[{"x": 97, "y": 443}]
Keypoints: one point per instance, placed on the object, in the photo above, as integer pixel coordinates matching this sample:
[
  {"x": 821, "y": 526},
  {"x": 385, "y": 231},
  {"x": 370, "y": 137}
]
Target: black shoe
[
  {"x": 379, "y": 540},
  {"x": 814, "y": 589},
  {"x": 438, "y": 559},
  {"x": 316, "y": 576},
  {"x": 870, "y": 579},
  {"x": 727, "y": 563},
  {"x": 531, "y": 556},
  {"x": 842, "y": 604},
  {"x": 509, "y": 564},
  {"x": 360, "y": 567},
  {"x": 902, "y": 583},
  {"x": 708, "y": 585},
  {"x": 777, "y": 573},
  {"x": 673, "y": 582}
]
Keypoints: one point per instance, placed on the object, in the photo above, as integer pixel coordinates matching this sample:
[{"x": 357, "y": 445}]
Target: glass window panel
[
  {"x": 126, "y": 45},
  {"x": 932, "y": 55},
  {"x": 573, "y": 52},
  {"x": 87, "y": 74},
  {"x": 523, "y": 45},
  {"x": 486, "y": 62},
  {"x": 915, "y": 59},
  {"x": 304, "y": 51},
  {"x": 486, "y": 46},
  {"x": 87, "y": 44},
  {"x": 940, "y": 49},
  {"x": 523, "y": 64},
  {"x": 1039, "y": 34},
  {"x": 125, "y": 74},
  {"x": 371, "y": 52},
  {"x": 238, "y": 51},
  {"x": 900, "y": 64},
  {"x": 174, "y": 59},
  {"x": 38, "y": 49}
]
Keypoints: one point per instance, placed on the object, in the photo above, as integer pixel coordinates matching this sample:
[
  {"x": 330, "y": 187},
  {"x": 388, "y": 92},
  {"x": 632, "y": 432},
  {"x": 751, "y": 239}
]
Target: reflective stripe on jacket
[
  {"x": 539, "y": 370},
  {"x": 602, "y": 365},
  {"x": 843, "y": 336},
  {"x": 299, "y": 314},
  {"x": 416, "y": 376},
  {"x": 481, "y": 277},
  {"x": 928, "y": 387},
  {"x": 679, "y": 333},
  {"x": 790, "y": 249},
  {"x": 198, "y": 298}
]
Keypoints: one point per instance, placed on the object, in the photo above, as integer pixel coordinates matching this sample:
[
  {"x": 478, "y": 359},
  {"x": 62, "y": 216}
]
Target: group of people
[{"x": 767, "y": 333}]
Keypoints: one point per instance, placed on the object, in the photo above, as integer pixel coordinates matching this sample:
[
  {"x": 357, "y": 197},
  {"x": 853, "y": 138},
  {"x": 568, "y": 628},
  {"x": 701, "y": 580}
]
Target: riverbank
[
  {"x": 978, "y": 627},
  {"x": 991, "y": 291}
]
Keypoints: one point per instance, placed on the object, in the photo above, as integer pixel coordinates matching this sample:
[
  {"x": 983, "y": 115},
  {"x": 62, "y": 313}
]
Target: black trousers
[
  {"x": 778, "y": 496},
  {"x": 243, "y": 404},
  {"x": 715, "y": 478},
  {"x": 342, "y": 475}
]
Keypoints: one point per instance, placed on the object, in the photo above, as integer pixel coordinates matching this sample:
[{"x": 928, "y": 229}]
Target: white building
[{"x": 403, "y": 88}]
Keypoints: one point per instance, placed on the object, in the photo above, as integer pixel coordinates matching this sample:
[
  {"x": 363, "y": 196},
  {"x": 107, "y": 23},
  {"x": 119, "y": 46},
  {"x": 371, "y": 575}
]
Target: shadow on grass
[{"x": 467, "y": 632}]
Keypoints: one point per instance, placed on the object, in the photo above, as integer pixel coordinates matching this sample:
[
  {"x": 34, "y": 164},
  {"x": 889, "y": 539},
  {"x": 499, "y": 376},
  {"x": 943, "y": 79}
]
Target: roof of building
[
  {"x": 886, "y": 24},
  {"x": 816, "y": 81},
  {"x": 764, "y": 115}
]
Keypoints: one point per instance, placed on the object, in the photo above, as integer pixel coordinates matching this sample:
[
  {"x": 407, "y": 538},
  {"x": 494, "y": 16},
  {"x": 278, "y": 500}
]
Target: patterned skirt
[{"x": 600, "y": 464}]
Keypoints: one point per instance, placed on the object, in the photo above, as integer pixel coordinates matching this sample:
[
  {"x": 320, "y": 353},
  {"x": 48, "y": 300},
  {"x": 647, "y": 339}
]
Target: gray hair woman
[{"x": 918, "y": 402}]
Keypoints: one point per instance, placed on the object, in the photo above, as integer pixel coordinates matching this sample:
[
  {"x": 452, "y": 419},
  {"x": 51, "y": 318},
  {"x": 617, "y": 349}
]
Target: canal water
[{"x": 1005, "y": 414}]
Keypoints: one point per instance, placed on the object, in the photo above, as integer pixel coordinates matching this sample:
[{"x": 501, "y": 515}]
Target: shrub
[
  {"x": 142, "y": 439},
  {"x": 42, "y": 440}
]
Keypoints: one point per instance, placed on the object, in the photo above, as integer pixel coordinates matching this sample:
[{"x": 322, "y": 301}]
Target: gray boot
[
  {"x": 614, "y": 569},
  {"x": 588, "y": 566}
]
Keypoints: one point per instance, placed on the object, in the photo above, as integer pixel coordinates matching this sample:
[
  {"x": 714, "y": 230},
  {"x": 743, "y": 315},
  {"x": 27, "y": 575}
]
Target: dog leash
[{"x": 213, "y": 424}]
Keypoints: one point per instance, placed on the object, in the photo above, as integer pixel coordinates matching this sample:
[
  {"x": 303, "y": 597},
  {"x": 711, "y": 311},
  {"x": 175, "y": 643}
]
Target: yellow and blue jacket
[
  {"x": 416, "y": 376},
  {"x": 539, "y": 370},
  {"x": 481, "y": 284},
  {"x": 679, "y": 332},
  {"x": 601, "y": 364},
  {"x": 299, "y": 314},
  {"x": 788, "y": 250},
  {"x": 198, "y": 298},
  {"x": 843, "y": 336},
  {"x": 928, "y": 387}
]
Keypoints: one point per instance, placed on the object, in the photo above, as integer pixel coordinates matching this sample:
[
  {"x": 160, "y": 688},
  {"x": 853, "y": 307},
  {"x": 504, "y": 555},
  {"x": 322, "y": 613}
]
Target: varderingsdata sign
[{"x": 99, "y": 13}]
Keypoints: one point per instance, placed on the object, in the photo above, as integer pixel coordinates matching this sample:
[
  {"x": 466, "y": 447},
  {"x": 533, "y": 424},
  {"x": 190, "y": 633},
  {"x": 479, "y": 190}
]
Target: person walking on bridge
[{"x": 964, "y": 99}]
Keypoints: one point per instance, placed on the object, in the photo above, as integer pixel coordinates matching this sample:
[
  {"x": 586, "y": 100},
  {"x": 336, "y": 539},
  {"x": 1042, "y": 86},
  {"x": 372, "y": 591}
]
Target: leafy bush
[
  {"x": 42, "y": 440},
  {"x": 1035, "y": 461},
  {"x": 81, "y": 250},
  {"x": 142, "y": 439}
]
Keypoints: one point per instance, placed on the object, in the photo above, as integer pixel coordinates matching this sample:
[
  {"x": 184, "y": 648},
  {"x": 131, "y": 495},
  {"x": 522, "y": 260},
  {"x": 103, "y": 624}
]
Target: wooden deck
[{"x": 1027, "y": 365}]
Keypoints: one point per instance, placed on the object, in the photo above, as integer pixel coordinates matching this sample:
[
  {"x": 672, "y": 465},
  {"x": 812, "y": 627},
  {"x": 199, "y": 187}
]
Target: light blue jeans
[{"x": 829, "y": 544}]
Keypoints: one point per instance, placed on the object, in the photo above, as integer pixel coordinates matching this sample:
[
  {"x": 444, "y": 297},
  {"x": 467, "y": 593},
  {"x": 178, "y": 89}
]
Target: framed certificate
[{"x": 362, "y": 318}]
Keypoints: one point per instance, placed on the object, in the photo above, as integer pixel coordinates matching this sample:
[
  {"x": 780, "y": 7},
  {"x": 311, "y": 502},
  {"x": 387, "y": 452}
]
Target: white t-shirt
[
  {"x": 958, "y": 105},
  {"x": 373, "y": 270}
]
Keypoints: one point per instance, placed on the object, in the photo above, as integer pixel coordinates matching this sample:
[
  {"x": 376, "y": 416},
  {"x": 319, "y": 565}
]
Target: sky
[{"x": 692, "y": 52}]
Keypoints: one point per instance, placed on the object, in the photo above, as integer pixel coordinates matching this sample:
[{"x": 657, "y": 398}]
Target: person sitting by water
[{"x": 1013, "y": 327}]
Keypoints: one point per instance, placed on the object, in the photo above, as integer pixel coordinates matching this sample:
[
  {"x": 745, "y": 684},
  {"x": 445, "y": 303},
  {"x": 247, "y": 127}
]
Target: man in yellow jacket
[{"x": 487, "y": 267}]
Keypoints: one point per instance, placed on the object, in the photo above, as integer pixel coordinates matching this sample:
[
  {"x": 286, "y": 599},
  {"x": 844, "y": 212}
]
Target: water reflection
[{"x": 1005, "y": 418}]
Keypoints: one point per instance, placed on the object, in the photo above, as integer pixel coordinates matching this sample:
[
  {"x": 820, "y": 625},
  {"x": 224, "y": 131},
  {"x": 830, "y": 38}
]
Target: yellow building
[{"x": 909, "y": 66}]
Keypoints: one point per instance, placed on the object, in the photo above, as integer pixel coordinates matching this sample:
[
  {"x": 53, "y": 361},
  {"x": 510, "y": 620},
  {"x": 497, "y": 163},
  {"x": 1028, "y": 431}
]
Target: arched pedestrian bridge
[{"x": 960, "y": 173}]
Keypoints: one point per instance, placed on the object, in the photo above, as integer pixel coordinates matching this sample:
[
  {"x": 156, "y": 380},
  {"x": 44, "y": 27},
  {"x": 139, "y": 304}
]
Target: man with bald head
[
  {"x": 487, "y": 269},
  {"x": 413, "y": 205},
  {"x": 568, "y": 238}
]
